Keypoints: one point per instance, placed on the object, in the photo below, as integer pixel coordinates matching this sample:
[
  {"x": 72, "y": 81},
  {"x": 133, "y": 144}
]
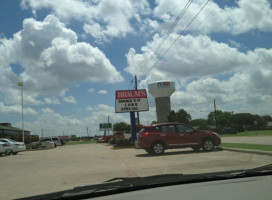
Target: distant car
[
  {"x": 116, "y": 134},
  {"x": 16, "y": 147},
  {"x": 158, "y": 137},
  {"x": 57, "y": 141},
  {"x": 100, "y": 140},
  {"x": 4, "y": 148},
  {"x": 45, "y": 142},
  {"x": 228, "y": 130}
]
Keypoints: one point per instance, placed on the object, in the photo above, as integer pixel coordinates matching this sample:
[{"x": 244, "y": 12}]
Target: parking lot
[{"x": 45, "y": 171}]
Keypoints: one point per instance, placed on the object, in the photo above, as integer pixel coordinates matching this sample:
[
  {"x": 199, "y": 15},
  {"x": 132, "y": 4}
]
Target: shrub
[
  {"x": 112, "y": 140},
  {"x": 122, "y": 142},
  {"x": 29, "y": 146}
]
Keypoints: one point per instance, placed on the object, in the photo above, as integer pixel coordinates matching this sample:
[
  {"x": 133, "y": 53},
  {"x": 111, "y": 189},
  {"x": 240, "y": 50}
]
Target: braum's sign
[{"x": 131, "y": 101}]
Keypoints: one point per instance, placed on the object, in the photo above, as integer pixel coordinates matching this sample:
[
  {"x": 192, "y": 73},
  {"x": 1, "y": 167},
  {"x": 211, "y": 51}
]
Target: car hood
[{"x": 121, "y": 185}]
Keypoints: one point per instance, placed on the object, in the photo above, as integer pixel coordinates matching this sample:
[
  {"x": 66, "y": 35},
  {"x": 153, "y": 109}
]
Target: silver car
[
  {"x": 4, "y": 148},
  {"x": 44, "y": 143},
  {"x": 16, "y": 147}
]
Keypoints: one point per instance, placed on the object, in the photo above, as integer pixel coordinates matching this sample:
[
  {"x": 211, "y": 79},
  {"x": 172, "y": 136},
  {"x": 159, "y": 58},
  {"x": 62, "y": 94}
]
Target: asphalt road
[
  {"x": 267, "y": 140},
  {"x": 45, "y": 171}
]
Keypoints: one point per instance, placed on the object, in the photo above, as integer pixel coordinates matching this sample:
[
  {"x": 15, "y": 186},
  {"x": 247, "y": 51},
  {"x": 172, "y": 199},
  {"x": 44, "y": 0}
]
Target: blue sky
[{"x": 73, "y": 55}]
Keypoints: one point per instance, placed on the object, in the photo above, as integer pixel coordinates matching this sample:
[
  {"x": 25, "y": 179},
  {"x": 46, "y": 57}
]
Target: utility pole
[
  {"x": 108, "y": 124},
  {"x": 21, "y": 84},
  {"x": 215, "y": 113},
  {"x": 42, "y": 132},
  {"x": 87, "y": 132}
]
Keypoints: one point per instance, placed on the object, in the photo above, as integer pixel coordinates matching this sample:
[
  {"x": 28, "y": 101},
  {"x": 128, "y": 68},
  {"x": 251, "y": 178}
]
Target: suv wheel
[
  {"x": 157, "y": 148},
  {"x": 207, "y": 145}
]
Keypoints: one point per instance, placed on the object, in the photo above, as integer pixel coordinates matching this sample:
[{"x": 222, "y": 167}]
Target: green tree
[
  {"x": 267, "y": 118},
  {"x": 171, "y": 117},
  {"x": 199, "y": 124},
  {"x": 74, "y": 137},
  {"x": 242, "y": 121},
  {"x": 219, "y": 118},
  {"x": 260, "y": 121},
  {"x": 121, "y": 126},
  {"x": 183, "y": 116},
  {"x": 223, "y": 119},
  {"x": 180, "y": 116}
]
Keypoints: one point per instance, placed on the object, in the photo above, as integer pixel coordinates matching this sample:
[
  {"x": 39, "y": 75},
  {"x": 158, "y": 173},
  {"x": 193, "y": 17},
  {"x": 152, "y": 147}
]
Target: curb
[
  {"x": 122, "y": 147},
  {"x": 268, "y": 153}
]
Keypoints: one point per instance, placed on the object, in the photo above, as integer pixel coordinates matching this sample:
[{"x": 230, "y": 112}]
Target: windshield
[{"x": 189, "y": 81}]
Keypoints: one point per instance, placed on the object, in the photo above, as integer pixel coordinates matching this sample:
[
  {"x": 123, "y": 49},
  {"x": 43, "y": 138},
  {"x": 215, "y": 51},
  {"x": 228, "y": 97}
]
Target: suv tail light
[{"x": 145, "y": 134}]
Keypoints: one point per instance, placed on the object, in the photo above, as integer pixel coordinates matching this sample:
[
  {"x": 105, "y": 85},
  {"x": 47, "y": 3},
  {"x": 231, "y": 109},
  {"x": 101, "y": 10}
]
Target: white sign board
[{"x": 131, "y": 101}]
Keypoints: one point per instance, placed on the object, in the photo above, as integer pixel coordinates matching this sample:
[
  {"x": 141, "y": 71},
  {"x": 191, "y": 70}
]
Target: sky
[{"x": 72, "y": 55}]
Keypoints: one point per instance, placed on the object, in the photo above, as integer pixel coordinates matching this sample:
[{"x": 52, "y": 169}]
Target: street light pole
[{"x": 21, "y": 85}]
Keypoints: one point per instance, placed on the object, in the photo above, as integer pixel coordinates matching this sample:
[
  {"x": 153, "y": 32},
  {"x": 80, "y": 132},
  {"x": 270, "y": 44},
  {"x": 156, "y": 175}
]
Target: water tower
[{"x": 162, "y": 90}]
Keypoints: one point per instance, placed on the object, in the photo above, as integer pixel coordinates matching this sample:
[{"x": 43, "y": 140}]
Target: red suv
[{"x": 158, "y": 137}]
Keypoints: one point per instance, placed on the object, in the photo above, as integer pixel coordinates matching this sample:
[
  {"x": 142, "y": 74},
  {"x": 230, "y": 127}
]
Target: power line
[
  {"x": 209, "y": 12},
  {"x": 167, "y": 34},
  {"x": 160, "y": 57}
]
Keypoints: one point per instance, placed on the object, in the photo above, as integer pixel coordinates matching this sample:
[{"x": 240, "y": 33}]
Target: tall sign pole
[
  {"x": 133, "y": 127},
  {"x": 22, "y": 95},
  {"x": 136, "y": 88}
]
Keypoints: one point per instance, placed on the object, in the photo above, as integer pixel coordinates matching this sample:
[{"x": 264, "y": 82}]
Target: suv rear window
[
  {"x": 167, "y": 128},
  {"x": 143, "y": 130},
  {"x": 182, "y": 128}
]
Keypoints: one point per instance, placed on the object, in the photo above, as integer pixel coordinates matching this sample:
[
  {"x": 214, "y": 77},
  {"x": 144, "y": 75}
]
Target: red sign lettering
[{"x": 130, "y": 94}]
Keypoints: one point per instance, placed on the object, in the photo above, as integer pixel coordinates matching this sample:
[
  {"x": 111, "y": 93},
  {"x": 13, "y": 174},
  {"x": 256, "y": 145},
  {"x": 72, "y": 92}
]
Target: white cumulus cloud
[
  {"x": 69, "y": 99},
  {"x": 102, "y": 92}
]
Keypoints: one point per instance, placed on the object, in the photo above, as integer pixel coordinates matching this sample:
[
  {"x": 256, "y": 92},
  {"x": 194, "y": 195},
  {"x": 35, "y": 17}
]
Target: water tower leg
[{"x": 163, "y": 107}]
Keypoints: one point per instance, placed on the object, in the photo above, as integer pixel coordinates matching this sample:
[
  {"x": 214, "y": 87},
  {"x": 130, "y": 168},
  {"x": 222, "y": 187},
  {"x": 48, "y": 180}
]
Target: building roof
[{"x": 11, "y": 128}]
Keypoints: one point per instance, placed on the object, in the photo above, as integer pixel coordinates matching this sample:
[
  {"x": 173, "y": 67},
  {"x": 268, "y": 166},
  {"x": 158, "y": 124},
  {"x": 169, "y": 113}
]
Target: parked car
[
  {"x": 45, "y": 143},
  {"x": 116, "y": 134},
  {"x": 156, "y": 138},
  {"x": 100, "y": 140},
  {"x": 228, "y": 130},
  {"x": 57, "y": 141},
  {"x": 16, "y": 147},
  {"x": 4, "y": 148}
]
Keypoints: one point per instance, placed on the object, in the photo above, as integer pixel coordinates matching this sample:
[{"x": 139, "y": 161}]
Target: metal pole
[
  {"x": 215, "y": 113},
  {"x": 23, "y": 113},
  {"x": 22, "y": 95},
  {"x": 136, "y": 87},
  {"x": 108, "y": 124}
]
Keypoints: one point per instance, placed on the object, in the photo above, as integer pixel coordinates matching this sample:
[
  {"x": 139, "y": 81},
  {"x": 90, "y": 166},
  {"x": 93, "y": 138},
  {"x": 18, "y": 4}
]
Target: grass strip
[
  {"x": 250, "y": 133},
  {"x": 260, "y": 147},
  {"x": 80, "y": 142}
]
